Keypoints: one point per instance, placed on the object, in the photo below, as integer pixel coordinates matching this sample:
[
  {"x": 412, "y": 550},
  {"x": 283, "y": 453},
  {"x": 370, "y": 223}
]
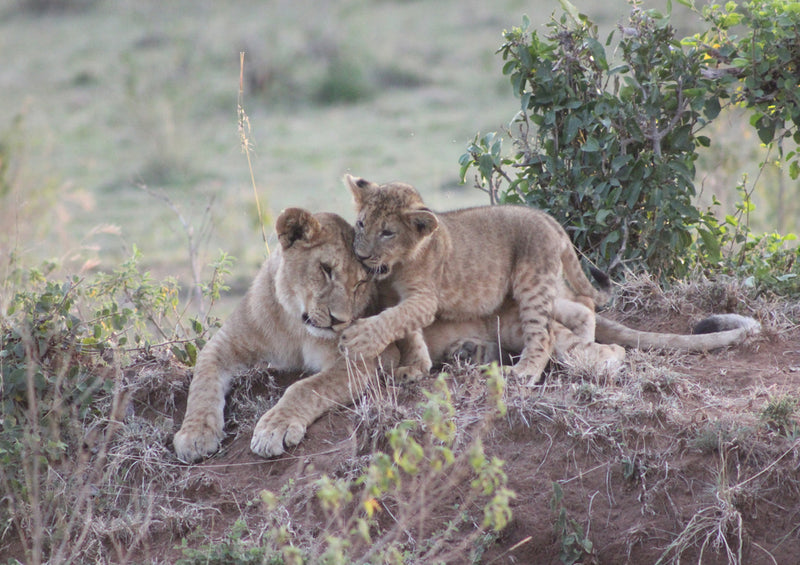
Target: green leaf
[
  {"x": 591, "y": 146},
  {"x": 486, "y": 165},
  {"x": 712, "y": 245},
  {"x": 766, "y": 129},
  {"x": 794, "y": 170},
  {"x": 712, "y": 108},
  {"x": 191, "y": 353},
  {"x": 571, "y": 10}
]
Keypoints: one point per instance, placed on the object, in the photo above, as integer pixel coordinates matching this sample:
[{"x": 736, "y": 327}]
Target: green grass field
[{"x": 100, "y": 101}]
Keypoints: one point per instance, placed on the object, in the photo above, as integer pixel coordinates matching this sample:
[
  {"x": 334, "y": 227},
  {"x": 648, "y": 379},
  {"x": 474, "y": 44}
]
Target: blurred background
[{"x": 118, "y": 121}]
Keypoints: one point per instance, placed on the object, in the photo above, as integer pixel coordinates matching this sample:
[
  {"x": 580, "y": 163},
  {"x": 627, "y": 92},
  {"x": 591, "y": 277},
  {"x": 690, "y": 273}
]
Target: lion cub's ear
[
  {"x": 423, "y": 221},
  {"x": 359, "y": 188},
  {"x": 296, "y": 224}
]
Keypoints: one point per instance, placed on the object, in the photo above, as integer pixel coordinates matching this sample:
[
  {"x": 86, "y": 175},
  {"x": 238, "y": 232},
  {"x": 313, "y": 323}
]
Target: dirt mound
[{"x": 677, "y": 458}]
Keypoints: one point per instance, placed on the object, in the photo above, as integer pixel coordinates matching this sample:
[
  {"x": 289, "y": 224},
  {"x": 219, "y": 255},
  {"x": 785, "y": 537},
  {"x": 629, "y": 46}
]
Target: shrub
[
  {"x": 608, "y": 147},
  {"x": 62, "y": 344}
]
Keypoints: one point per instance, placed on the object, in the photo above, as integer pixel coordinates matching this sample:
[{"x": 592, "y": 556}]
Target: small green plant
[
  {"x": 62, "y": 344},
  {"x": 576, "y": 547},
  {"x": 422, "y": 466},
  {"x": 762, "y": 261},
  {"x": 779, "y": 413},
  {"x": 398, "y": 506},
  {"x": 232, "y": 551}
]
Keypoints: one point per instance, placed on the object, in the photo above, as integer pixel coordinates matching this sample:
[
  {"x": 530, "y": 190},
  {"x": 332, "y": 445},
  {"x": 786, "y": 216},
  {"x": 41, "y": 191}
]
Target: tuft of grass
[{"x": 779, "y": 413}]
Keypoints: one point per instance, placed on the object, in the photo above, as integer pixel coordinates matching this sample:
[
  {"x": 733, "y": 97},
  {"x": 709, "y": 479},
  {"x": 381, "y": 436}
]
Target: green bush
[
  {"x": 62, "y": 345},
  {"x": 607, "y": 148},
  {"x": 608, "y": 145}
]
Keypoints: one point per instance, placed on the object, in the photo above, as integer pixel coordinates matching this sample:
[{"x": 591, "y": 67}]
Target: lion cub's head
[
  {"x": 319, "y": 279},
  {"x": 391, "y": 225}
]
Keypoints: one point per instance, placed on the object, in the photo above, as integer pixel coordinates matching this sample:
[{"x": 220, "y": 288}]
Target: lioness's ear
[
  {"x": 296, "y": 224},
  {"x": 423, "y": 221},
  {"x": 358, "y": 187}
]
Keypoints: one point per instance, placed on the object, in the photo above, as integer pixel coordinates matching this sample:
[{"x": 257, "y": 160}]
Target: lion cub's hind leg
[
  {"x": 573, "y": 350},
  {"x": 535, "y": 292},
  {"x": 576, "y": 317},
  {"x": 475, "y": 351}
]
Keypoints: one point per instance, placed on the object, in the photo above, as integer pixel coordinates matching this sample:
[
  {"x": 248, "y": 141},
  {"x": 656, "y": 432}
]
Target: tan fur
[
  {"x": 461, "y": 265},
  {"x": 490, "y": 339},
  {"x": 308, "y": 290},
  {"x": 738, "y": 329}
]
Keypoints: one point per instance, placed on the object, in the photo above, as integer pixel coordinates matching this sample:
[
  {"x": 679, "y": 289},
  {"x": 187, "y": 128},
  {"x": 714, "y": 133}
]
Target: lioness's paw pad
[
  {"x": 273, "y": 434},
  {"x": 196, "y": 441}
]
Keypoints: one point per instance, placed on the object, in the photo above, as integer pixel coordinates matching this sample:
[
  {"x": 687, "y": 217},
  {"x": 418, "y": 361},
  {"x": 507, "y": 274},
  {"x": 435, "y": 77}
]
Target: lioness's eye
[
  {"x": 327, "y": 269},
  {"x": 359, "y": 225}
]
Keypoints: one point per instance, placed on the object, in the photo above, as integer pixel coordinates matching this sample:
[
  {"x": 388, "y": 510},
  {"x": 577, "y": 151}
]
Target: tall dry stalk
[{"x": 244, "y": 131}]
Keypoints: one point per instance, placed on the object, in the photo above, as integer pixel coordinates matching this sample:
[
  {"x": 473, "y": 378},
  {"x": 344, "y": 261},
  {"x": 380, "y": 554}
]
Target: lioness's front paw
[
  {"x": 408, "y": 375},
  {"x": 198, "y": 438},
  {"x": 358, "y": 340},
  {"x": 275, "y": 431}
]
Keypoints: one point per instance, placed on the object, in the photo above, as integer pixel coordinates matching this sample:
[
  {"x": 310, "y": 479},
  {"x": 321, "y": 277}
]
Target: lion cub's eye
[
  {"x": 387, "y": 234},
  {"x": 359, "y": 225},
  {"x": 327, "y": 270}
]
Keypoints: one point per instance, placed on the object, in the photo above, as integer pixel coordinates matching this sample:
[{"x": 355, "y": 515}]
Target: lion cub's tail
[{"x": 580, "y": 284}]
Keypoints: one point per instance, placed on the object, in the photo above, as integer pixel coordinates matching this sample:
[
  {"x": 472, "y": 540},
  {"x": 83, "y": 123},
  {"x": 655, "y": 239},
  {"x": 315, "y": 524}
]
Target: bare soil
[{"x": 677, "y": 443}]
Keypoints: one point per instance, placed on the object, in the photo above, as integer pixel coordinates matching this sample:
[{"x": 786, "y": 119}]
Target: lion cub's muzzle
[{"x": 375, "y": 269}]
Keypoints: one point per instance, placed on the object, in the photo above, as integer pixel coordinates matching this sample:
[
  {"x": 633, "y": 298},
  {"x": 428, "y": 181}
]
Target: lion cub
[{"x": 462, "y": 265}]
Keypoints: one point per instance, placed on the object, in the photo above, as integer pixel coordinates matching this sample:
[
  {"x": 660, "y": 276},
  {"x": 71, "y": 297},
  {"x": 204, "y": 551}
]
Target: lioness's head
[
  {"x": 392, "y": 222},
  {"x": 320, "y": 280}
]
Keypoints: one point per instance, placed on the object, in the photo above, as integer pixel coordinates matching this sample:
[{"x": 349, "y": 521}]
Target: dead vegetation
[{"x": 675, "y": 458}]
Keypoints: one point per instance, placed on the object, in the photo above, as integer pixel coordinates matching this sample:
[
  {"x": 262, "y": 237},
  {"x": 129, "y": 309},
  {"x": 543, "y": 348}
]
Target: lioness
[
  {"x": 461, "y": 265},
  {"x": 309, "y": 288}
]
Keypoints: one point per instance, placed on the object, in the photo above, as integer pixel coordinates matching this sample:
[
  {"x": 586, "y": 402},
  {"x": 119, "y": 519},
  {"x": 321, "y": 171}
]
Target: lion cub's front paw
[
  {"x": 275, "y": 431},
  {"x": 359, "y": 340},
  {"x": 198, "y": 438}
]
